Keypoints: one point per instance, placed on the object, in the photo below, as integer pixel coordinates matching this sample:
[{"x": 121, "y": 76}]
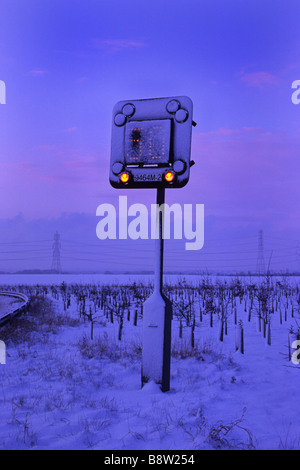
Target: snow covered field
[{"x": 60, "y": 389}]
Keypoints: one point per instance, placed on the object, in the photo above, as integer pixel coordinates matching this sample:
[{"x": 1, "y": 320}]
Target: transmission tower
[
  {"x": 56, "y": 265},
  {"x": 260, "y": 265}
]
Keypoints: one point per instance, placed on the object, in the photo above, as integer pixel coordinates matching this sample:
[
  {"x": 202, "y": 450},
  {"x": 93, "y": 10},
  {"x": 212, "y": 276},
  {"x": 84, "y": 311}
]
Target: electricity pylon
[
  {"x": 260, "y": 265},
  {"x": 56, "y": 264}
]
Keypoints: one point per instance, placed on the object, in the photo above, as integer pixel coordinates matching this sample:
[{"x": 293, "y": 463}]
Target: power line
[
  {"x": 24, "y": 242},
  {"x": 121, "y": 254}
]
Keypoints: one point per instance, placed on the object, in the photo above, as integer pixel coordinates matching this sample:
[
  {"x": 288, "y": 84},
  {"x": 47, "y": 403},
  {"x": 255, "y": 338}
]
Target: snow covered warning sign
[{"x": 151, "y": 143}]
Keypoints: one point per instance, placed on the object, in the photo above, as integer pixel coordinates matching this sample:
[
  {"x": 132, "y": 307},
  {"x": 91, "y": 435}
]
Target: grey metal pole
[
  {"x": 159, "y": 245},
  {"x": 157, "y": 316}
]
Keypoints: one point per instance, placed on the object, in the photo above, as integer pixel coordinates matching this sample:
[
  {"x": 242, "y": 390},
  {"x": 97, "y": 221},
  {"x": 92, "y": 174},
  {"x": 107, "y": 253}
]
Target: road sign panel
[{"x": 151, "y": 143}]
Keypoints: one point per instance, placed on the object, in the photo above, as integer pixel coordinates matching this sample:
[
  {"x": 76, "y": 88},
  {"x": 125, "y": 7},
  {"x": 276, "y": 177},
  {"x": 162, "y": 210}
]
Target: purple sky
[{"x": 66, "y": 63}]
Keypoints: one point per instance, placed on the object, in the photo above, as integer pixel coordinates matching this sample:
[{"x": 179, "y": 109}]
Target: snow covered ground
[{"x": 61, "y": 390}]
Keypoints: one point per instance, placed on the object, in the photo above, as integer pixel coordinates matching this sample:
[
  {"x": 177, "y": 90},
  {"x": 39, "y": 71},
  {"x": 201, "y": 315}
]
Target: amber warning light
[
  {"x": 124, "y": 178},
  {"x": 169, "y": 176}
]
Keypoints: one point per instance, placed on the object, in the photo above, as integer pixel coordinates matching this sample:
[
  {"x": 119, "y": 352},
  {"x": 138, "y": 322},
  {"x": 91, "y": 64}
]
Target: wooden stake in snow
[
  {"x": 289, "y": 348},
  {"x": 268, "y": 336},
  {"x": 239, "y": 338}
]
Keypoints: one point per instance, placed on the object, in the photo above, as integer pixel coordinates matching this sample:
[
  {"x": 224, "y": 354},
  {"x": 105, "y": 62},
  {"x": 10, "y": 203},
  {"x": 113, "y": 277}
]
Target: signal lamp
[
  {"x": 124, "y": 178},
  {"x": 169, "y": 176}
]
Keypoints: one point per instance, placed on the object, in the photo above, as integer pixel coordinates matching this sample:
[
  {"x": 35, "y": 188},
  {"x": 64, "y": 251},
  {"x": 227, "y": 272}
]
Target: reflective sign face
[
  {"x": 151, "y": 143},
  {"x": 148, "y": 142}
]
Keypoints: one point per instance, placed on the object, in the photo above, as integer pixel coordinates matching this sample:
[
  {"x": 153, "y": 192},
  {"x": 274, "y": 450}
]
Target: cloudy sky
[{"x": 67, "y": 62}]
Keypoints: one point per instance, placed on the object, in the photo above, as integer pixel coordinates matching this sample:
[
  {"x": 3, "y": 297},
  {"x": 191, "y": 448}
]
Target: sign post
[
  {"x": 151, "y": 146},
  {"x": 157, "y": 315}
]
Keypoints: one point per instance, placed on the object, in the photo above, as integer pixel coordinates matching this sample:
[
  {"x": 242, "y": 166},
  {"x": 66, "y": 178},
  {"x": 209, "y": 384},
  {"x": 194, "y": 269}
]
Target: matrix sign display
[
  {"x": 151, "y": 143},
  {"x": 148, "y": 142}
]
